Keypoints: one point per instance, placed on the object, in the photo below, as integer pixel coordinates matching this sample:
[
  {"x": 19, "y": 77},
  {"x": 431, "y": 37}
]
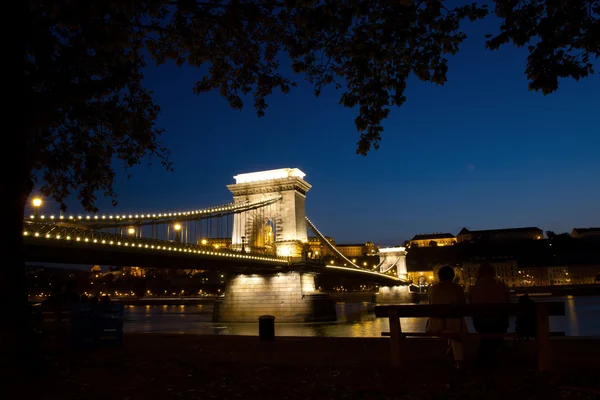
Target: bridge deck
[
  {"x": 59, "y": 243},
  {"x": 53, "y": 243}
]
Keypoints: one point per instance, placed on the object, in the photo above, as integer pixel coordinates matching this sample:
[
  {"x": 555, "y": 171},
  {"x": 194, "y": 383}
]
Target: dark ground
[{"x": 161, "y": 366}]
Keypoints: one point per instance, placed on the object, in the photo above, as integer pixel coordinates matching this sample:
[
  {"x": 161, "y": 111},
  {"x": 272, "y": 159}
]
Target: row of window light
[
  {"x": 153, "y": 247},
  {"x": 163, "y": 215}
]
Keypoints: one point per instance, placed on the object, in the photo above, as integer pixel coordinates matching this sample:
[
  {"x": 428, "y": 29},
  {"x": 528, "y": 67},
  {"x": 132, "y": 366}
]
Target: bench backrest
[
  {"x": 114, "y": 309},
  {"x": 555, "y": 308}
]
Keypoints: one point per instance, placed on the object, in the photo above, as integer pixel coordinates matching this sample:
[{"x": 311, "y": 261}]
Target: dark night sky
[{"x": 481, "y": 152}]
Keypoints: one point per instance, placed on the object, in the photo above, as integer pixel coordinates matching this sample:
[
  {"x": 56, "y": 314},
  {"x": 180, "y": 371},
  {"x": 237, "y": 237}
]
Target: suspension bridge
[{"x": 262, "y": 234}]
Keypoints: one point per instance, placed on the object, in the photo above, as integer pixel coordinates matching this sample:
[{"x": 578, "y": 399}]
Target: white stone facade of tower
[
  {"x": 285, "y": 219},
  {"x": 393, "y": 257}
]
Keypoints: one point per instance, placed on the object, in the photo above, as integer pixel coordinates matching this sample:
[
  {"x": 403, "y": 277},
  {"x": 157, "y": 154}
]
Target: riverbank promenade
[{"x": 169, "y": 366}]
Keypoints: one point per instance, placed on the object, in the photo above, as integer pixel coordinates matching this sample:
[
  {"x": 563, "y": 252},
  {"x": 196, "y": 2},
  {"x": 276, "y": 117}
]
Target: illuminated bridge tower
[
  {"x": 278, "y": 228},
  {"x": 390, "y": 259},
  {"x": 393, "y": 257}
]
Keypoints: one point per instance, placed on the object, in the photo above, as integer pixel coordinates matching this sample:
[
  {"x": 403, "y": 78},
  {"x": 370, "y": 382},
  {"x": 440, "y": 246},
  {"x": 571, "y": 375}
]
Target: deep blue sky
[{"x": 481, "y": 152}]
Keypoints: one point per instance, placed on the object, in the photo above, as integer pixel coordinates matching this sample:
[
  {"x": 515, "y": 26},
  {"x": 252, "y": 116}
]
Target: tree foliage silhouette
[
  {"x": 563, "y": 38},
  {"x": 85, "y": 60},
  {"x": 85, "y": 104}
]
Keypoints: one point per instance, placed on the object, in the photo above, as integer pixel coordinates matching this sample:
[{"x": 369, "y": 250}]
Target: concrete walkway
[{"x": 156, "y": 366}]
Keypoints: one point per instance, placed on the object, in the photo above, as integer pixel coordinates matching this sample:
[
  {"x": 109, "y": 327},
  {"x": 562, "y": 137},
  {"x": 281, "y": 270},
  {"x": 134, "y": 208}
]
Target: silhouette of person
[
  {"x": 489, "y": 290},
  {"x": 448, "y": 292},
  {"x": 526, "y": 326},
  {"x": 70, "y": 295}
]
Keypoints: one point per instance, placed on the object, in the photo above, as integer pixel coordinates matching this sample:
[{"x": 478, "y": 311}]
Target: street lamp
[
  {"x": 177, "y": 228},
  {"x": 131, "y": 231},
  {"x": 37, "y": 202}
]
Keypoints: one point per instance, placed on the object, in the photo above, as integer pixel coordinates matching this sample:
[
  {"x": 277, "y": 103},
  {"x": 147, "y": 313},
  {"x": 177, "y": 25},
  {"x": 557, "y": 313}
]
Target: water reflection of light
[
  {"x": 412, "y": 324},
  {"x": 354, "y": 319},
  {"x": 572, "y": 316},
  {"x": 357, "y": 329}
]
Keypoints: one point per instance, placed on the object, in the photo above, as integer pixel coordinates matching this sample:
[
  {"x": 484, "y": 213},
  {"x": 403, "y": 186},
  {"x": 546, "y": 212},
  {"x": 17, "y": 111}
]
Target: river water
[{"x": 354, "y": 320}]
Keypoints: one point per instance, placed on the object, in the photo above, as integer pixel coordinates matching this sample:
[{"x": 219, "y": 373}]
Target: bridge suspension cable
[
  {"x": 353, "y": 267},
  {"x": 327, "y": 243},
  {"x": 392, "y": 266},
  {"x": 363, "y": 271},
  {"x": 115, "y": 221}
]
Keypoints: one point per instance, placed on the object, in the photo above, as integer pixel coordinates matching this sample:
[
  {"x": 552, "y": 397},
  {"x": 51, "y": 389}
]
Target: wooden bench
[{"x": 541, "y": 311}]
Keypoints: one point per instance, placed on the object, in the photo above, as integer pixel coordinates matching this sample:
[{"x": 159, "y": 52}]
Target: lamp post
[
  {"x": 37, "y": 203},
  {"x": 243, "y": 244},
  {"x": 177, "y": 228}
]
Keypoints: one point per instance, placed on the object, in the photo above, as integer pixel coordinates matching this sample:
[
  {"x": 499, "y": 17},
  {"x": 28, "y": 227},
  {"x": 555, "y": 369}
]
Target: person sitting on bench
[
  {"x": 488, "y": 290},
  {"x": 448, "y": 292},
  {"x": 526, "y": 324}
]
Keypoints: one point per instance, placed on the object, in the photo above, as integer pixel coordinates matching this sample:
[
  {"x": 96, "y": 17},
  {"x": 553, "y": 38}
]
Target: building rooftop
[
  {"x": 586, "y": 230},
  {"x": 464, "y": 231},
  {"x": 269, "y": 175},
  {"x": 427, "y": 236}
]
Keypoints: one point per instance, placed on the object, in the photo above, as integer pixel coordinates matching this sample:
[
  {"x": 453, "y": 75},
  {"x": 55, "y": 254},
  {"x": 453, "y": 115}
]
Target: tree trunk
[{"x": 17, "y": 344}]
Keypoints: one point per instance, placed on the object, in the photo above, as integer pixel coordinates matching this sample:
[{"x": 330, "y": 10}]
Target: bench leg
[
  {"x": 543, "y": 338},
  {"x": 396, "y": 339}
]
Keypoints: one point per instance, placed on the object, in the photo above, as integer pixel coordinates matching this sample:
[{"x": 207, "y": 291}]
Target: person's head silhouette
[
  {"x": 525, "y": 299},
  {"x": 446, "y": 274},
  {"x": 486, "y": 270}
]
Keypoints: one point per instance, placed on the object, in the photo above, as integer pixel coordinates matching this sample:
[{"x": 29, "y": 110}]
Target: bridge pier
[
  {"x": 393, "y": 295},
  {"x": 289, "y": 296}
]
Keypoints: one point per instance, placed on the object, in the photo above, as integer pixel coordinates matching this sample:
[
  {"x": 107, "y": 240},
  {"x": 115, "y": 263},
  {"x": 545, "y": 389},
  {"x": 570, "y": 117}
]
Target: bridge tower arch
[
  {"x": 393, "y": 258},
  {"x": 278, "y": 227}
]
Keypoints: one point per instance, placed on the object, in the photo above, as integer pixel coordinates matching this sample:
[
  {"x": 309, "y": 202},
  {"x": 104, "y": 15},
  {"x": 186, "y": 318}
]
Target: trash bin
[{"x": 266, "y": 328}]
